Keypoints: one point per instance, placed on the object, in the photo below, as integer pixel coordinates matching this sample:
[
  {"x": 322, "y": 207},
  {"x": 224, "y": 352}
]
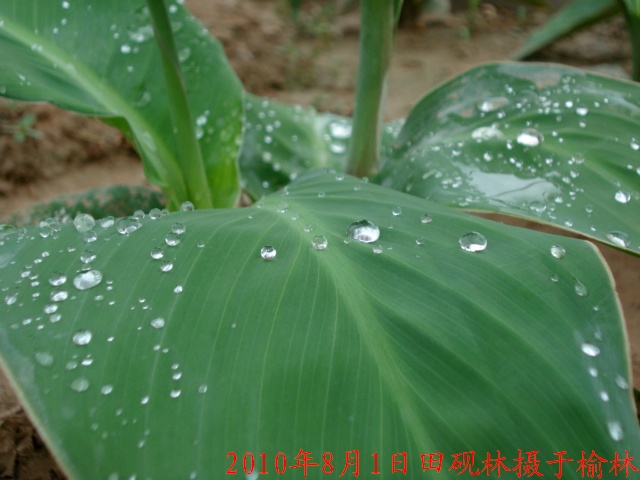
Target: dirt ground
[{"x": 45, "y": 152}]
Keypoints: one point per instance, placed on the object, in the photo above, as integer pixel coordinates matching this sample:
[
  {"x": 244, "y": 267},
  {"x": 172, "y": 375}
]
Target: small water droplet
[
  {"x": 80, "y": 384},
  {"x": 487, "y": 133},
  {"x": 84, "y": 222},
  {"x": 59, "y": 295},
  {"x": 582, "y": 111},
  {"x": 363, "y": 231},
  {"x": 155, "y": 213},
  {"x": 282, "y": 207},
  {"x": 558, "y": 251},
  {"x": 157, "y": 322},
  {"x": 530, "y": 137},
  {"x": 166, "y": 266},
  {"x": 87, "y": 280},
  {"x": 172, "y": 239},
  {"x": 89, "y": 237},
  {"x": 621, "y": 382},
  {"x": 621, "y": 239},
  {"x": 593, "y": 372},
  {"x": 203, "y": 389},
  {"x": 604, "y": 396},
  {"x": 268, "y": 252},
  {"x": 82, "y": 337},
  {"x": 157, "y": 253},
  {"x": 377, "y": 249},
  {"x": 580, "y": 288},
  {"x": 615, "y": 430},
  {"x": 590, "y": 349},
  {"x": 175, "y": 393},
  {"x": 57, "y": 279},
  {"x": 634, "y": 144},
  {"x": 44, "y": 358},
  {"x": 144, "y": 400},
  {"x": 426, "y": 218},
  {"x": 396, "y": 211},
  {"x": 537, "y": 207},
  {"x": 11, "y": 299},
  {"x": 87, "y": 256},
  {"x": 320, "y": 242},
  {"x": 107, "y": 222},
  {"x": 106, "y": 389},
  {"x": 178, "y": 289},
  {"x": 178, "y": 228},
  {"x": 420, "y": 241},
  {"x": 473, "y": 242},
  {"x": 125, "y": 226},
  {"x": 492, "y": 104},
  {"x": 622, "y": 196},
  {"x": 50, "y": 308}
]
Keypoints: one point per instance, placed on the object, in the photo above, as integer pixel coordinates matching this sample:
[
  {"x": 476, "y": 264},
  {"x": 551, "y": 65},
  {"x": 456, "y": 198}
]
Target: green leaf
[
  {"x": 406, "y": 344},
  {"x": 282, "y": 141},
  {"x": 548, "y": 143},
  {"x": 109, "y": 67},
  {"x": 573, "y": 16}
]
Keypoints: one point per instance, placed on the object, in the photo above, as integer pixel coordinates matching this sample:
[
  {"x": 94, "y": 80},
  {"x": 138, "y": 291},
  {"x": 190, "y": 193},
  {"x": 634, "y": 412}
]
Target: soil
[{"x": 46, "y": 152}]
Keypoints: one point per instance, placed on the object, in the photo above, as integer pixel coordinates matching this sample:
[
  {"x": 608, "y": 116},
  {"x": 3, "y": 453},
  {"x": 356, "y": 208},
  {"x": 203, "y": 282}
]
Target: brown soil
[{"x": 311, "y": 63}]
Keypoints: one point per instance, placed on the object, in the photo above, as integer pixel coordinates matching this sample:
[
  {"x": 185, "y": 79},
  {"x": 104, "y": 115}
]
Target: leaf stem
[
  {"x": 192, "y": 165},
  {"x": 377, "y": 22}
]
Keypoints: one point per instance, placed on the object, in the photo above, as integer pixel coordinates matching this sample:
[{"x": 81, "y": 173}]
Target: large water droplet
[
  {"x": 82, "y": 337},
  {"x": 268, "y": 252},
  {"x": 530, "y": 137},
  {"x": 615, "y": 430},
  {"x": 84, "y": 222},
  {"x": 590, "y": 349},
  {"x": 622, "y": 196},
  {"x": 363, "y": 231},
  {"x": 320, "y": 242},
  {"x": 128, "y": 225},
  {"x": 80, "y": 384},
  {"x": 558, "y": 251},
  {"x": 621, "y": 239},
  {"x": 86, "y": 280},
  {"x": 473, "y": 242}
]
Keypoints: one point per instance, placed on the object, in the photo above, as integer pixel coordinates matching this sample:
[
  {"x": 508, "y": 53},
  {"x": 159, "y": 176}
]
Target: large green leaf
[
  {"x": 573, "y": 16},
  {"x": 100, "y": 58},
  {"x": 405, "y": 344},
  {"x": 544, "y": 142}
]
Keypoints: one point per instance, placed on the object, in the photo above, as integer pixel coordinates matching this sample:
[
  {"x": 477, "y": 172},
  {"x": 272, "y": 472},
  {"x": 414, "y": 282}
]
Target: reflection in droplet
[
  {"x": 590, "y": 349},
  {"x": 268, "y": 252},
  {"x": 80, "y": 384},
  {"x": 82, "y": 337},
  {"x": 530, "y": 137},
  {"x": 86, "y": 280},
  {"x": 473, "y": 242},
  {"x": 363, "y": 231},
  {"x": 621, "y": 239},
  {"x": 320, "y": 242},
  {"x": 558, "y": 251}
]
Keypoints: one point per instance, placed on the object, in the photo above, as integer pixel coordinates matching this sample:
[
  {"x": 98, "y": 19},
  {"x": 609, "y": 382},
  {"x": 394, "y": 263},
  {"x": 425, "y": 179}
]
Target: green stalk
[
  {"x": 377, "y": 23},
  {"x": 192, "y": 164},
  {"x": 631, "y": 9}
]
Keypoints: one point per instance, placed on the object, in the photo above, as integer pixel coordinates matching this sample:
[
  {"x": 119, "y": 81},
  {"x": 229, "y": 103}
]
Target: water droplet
[
  {"x": 89, "y": 237},
  {"x": 166, "y": 266},
  {"x": 175, "y": 393},
  {"x": 178, "y": 289},
  {"x": 155, "y": 213},
  {"x": 604, "y": 396},
  {"x": 84, "y": 222},
  {"x": 320, "y": 242},
  {"x": 80, "y": 384},
  {"x": 593, "y": 372},
  {"x": 107, "y": 222},
  {"x": 396, "y": 211},
  {"x": 50, "y": 308},
  {"x": 57, "y": 279},
  {"x": 621, "y": 239},
  {"x": 363, "y": 231},
  {"x": 487, "y": 133},
  {"x": 172, "y": 239},
  {"x": 268, "y": 252},
  {"x": 530, "y": 137},
  {"x": 59, "y": 295},
  {"x": 282, "y": 207},
  {"x": 88, "y": 279},
  {"x": 203, "y": 389},
  {"x": 420, "y": 241},
  {"x": 44, "y": 358},
  {"x": 426, "y": 218},
  {"x": 128, "y": 225},
  {"x": 622, "y": 197},
  {"x": 144, "y": 400},
  {"x": 537, "y": 207},
  {"x": 157, "y": 322},
  {"x": 82, "y": 337},
  {"x": 492, "y": 104},
  {"x": 558, "y": 251},
  {"x": 178, "y": 228},
  {"x": 473, "y": 242},
  {"x": 634, "y": 144},
  {"x": 580, "y": 288},
  {"x": 582, "y": 111},
  {"x": 377, "y": 249},
  {"x": 621, "y": 382},
  {"x": 590, "y": 349},
  {"x": 106, "y": 389},
  {"x": 157, "y": 253},
  {"x": 615, "y": 430},
  {"x": 87, "y": 256},
  {"x": 340, "y": 130}
]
